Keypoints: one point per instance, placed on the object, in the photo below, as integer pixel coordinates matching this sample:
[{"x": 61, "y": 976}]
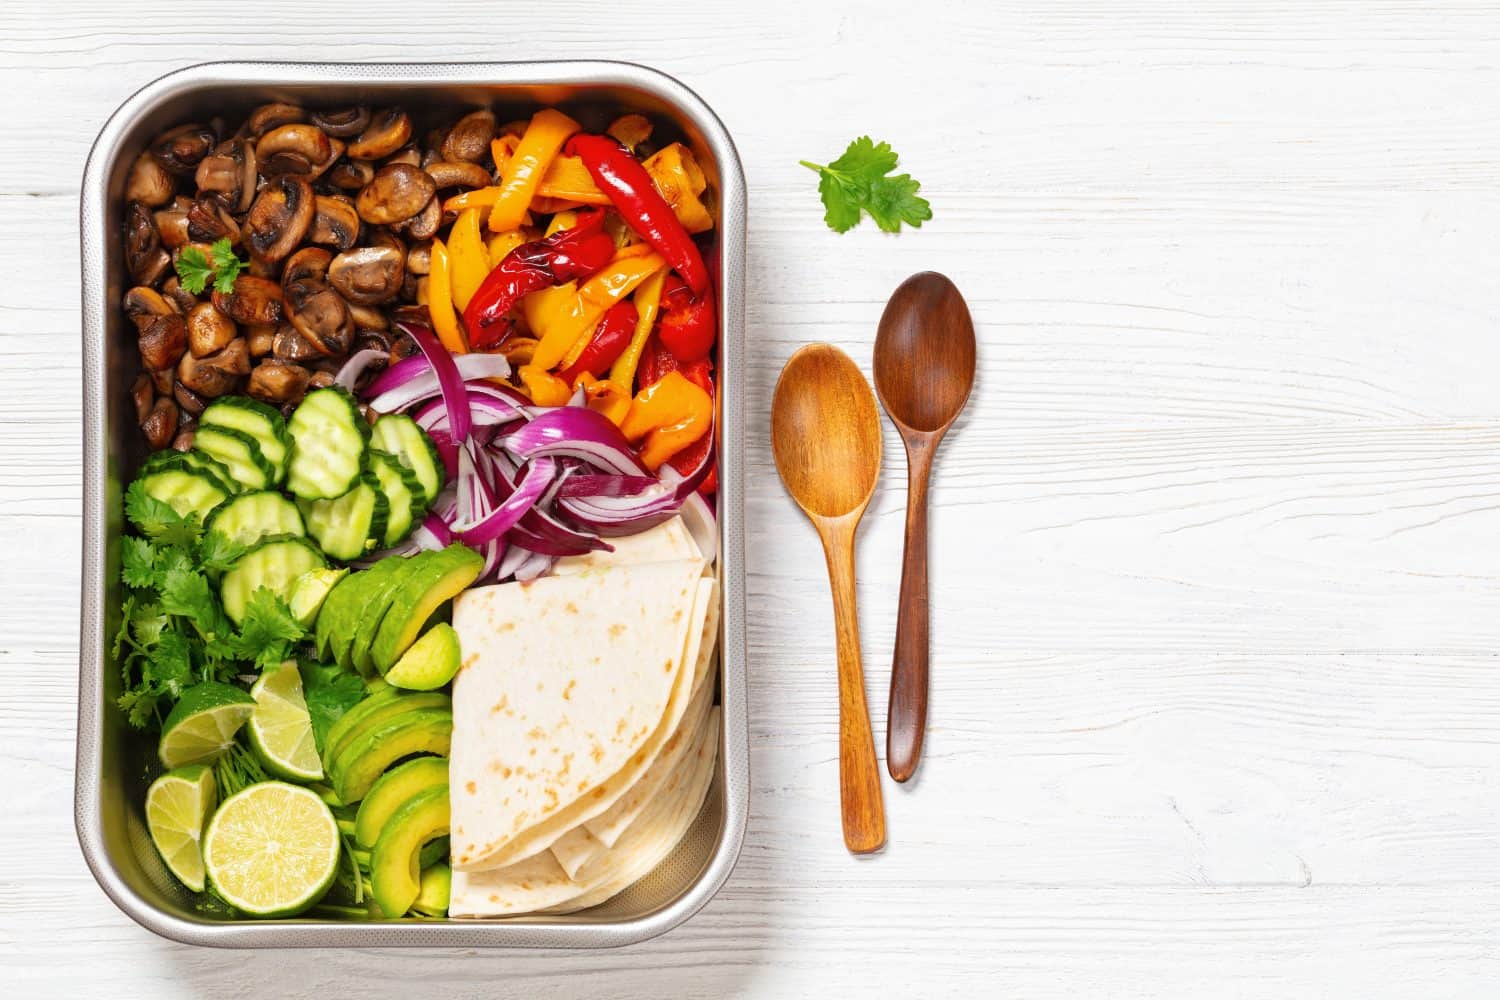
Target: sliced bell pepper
[
  {"x": 440, "y": 302},
  {"x": 518, "y": 350},
  {"x": 544, "y": 388},
  {"x": 688, "y": 459},
  {"x": 647, "y": 302},
  {"x": 656, "y": 363},
  {"x": 620, "y": 175},
  {"x": 669, "y": 416},
  {"x": 689, "y": 323},
  {"x": 629, "y": 267},
  {"x": 608, "y": 342},
  {"x": 468, "y": 259},
  {"x": 605, "y": 396},
  {"x": 569, "y": 179},
  {"x": 561, "y": 221},
  {"x": 676, "y": 174},
  {"x": 523, "y": 172},
  {"x": 501, "y": 244},
  {"x": 632, "y": 129}
]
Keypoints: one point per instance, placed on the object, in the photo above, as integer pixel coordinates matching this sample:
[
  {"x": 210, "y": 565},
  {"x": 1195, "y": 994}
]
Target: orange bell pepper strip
[
  {"x": 469, "y": 260},
  {"x": 523, "y": 172},
  {"x": 440, "y": 302},
  {"x": 544, "y": 388},
  {"x": 577, "y": 318},
  {"x": 647, "y": 305},
  {"x": 568, "y": 179},
  {"x": 680, "y": 180},
  {"x": 518, "y": 350},
  {"x": 670, "y": 415},
  {"x": 631, "y": 130},
  {"x": 606, "y": 397}
]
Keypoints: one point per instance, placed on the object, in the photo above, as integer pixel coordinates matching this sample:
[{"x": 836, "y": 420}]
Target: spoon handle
[
  {"x": 906, "y": 718},
  {"x": 859, "y": 774}
]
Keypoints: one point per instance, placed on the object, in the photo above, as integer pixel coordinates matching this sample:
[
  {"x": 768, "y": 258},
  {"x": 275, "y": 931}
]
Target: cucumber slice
[
  {"x": 398, "y": 435},
  {"x": 250, "y": 517},
  {"x": 403, "y": 493},
  {"x": 186, "y": 490},
  {"x": 239, "y": 453},
  {"x": 351, "y": 525},
  {"x": 328, "y": 445},
  {"x": 195, "y": 461},
  {"x": 275, "y": 563},
  {"x": 263, "y": 423}
]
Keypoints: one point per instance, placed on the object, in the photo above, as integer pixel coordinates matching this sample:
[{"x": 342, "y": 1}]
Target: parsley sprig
[
  {"x": 195, "y": 268},
  {"x": 859, "y": 181}
]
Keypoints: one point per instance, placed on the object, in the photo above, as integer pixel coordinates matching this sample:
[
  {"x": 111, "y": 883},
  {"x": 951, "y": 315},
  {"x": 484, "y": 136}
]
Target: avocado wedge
[
  {"x": 377, "y": 602},
  {"x": 431, "y": 662},
  {"x": 372, "y": 588},
  {"x": 434, "y": 578},
  {"x": 310, "y": 592},
  {"x": 394, "y": 872},
  {"x": 378, "y": 747},
  {"x": 375, "y": 710},
  {"x": 332, "y": 613},
  {"x": 393, "y": 789}
]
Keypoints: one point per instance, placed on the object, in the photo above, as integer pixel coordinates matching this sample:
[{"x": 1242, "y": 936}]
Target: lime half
[
  {"x": 177, "y": 806},
  {"x": 203, "y": 724},
  {"x": 272, "y": 850},
  {"x": 280, "y": 727}
]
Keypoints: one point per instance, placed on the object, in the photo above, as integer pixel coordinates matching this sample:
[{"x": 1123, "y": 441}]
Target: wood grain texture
[{"x": 1214, "y": 703}]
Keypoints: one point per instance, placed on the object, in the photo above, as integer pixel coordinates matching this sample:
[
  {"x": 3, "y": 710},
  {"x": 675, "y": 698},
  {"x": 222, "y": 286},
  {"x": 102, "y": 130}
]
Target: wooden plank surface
[{"x": 1215, "y": 707}]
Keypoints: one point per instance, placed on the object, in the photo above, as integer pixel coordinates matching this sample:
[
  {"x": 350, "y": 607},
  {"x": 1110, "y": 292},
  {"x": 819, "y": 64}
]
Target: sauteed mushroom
[
  {"x": 229, "y": 174},
  {"x": 180, "y": 150},
  {"x": 218, "y": 373},
  {"x": 163, "y": 342},
  {"x": 278, "y": 382},
  {"x": 149, "y": 182},
  {"x": 367, "y": 318},
  {"x": 293, "y": 149},
  {"x": 458, "y": 173},
  {"x": 160, "y": 423},
  {"x": 142, "y": 395},
  {"x": 469, "y": 139},
  {"x": 188, "y": 400},
  {"x": 368, "y": 275},
  {"x": 208, "y": 330},
  {"x": 254, "y": 301},
  {"x": 424, "y": 225},
  {"x": 307, "y": 264},
  {"x": 335, "y": 222},
  {"x": 342, "y": 123},
  {"x": 398, "y": 192},
  {"x": 172, "y": 223},
  {"x": 279, "y": 218},
  {"x": 319, "y": 314},
  {"x": 388, "y": 130},
  {"x": 260, "y": 340},
  {"x": 291, "y": 345},
  {"x": 419, "y": 258},
  {"x": 144, "y": 256},
  {"x": 180, "y": 298},
  {"x": 272, "y": 116},
  {"x": 351, "y": 175},
  {"x": 143, "y": 304},
  {"x": 209, "y": 221}
]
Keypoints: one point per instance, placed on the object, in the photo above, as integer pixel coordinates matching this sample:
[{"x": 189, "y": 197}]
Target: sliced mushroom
[
  {"x": 208, "y": 221},
  {"x": 398, "y": 192},
  {"x": 278, "y": 382},
  {"x": 411, "y": 156},
  {"x": 180, "y": 150},
  {"x": 335, "y": 222},
  {"x": 163, "y": 342},
  {"x": 469, "y": 140},
  {"x": 162, "y": 381},
  {"x": 143, "y": 304},
  {"x": 254, "y": 301},
  {"x": 188, "y": 400},
  {"x": 290, "y": 345},
  {"x": 142, "y": 395},
  {"x": 351, "y": 175},
  {"x": 320, "y": 380},
  {"x": 388, "y": 130},
  {"x": 180, "y": 298},
  {"x": 218, "y": 373},
  {"x": 208, "y": 330},
  {"x": 419, "y": 258},
  {"x": 160, "y": 423},
  {"x": 186, "y": 435},
  {"x": 269, "y": 117},
  {"x": 335, "y": 154},
  {"x": 343, "y": 123},
  {"x": 320, "y": 315},
  {"x": 368, "y": 275},
  {"x": 372, "y": 340},
  {"x": 280, "y": 217},
  {"x": 229, "y": 174},
  {"x": 144, "y": 256},
  {"x": 367, "y": 319},
  {"x": 424, "y": 225},
  {"x": 458, "y": 173},
  {"x": 172, "y": 223},
  {"x": 149, "y": 182},
  {"x": 293, "y": 149},
  {"x": 307, "y": 264},
  {"x": 260, "y": 340}
]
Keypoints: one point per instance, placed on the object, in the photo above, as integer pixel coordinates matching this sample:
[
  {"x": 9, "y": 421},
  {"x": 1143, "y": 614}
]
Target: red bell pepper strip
[
  {"x": 620, "y": 175},
  {"x": 567, "y": 255},
  {"x": 657, "y": 361},
  {"x": 688, "y": 322},
  {"x": 608, "y": 342}
]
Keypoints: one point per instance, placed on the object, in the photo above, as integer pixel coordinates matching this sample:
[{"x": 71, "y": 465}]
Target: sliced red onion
[
  {"x": 355, "y": 367},
  {"x": 535, "y": 565},
  {"x": 578, "y": 433},
  {"x": 421, "y": 382},
  {"x": 400, "y": 374},
  {"x": 505, "y": 516},
  {"x": 517, "y": 558},
  {"x": 699, "y": 518},
  {"x": 593, "y": 484},
  {"x": 455, "y": 396}
]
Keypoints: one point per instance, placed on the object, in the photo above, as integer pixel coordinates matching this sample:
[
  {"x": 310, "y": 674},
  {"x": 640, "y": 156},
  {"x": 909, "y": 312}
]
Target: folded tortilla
[
  {"x": 570, "y": 686},
  {"x": 667, "y": 541},
  {"x": 539, "y": 883}
]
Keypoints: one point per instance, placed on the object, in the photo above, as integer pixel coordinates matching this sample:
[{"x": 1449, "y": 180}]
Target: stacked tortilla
[{"x": 584, "y": 730}]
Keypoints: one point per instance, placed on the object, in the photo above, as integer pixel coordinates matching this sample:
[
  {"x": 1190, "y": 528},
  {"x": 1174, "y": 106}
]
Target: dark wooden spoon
[
  {"x": 924, "y": 369},
  {"x": 825, "y": 433}
]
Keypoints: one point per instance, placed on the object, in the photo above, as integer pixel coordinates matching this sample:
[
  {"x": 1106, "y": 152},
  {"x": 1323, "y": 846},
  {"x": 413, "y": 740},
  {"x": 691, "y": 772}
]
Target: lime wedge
[
  {"x": 203, "y": 724},
  {"x": 272, "y": 850},
  {"x": 177, "y": 806},
  {"x": 280, "y": 727},
  {"x": 431, "y": 662}
]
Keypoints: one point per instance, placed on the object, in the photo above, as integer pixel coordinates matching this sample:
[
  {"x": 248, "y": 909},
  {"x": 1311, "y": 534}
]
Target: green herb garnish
[
  {"x": 194, "y": 267},
  {"x": 858, "y": 182}
]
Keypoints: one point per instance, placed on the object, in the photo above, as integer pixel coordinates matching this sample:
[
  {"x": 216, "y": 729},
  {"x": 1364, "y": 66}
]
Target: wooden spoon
[
  {"x": 924, "y": 369},
  {"x": 825, "y": 433}
]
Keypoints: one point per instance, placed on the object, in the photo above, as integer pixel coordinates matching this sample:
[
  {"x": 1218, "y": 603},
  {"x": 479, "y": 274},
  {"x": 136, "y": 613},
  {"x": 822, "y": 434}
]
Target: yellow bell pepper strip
[
  {"x": 502, "y": 244},
  {"x": 440, "y": 302},
  {"x": 568, "y": 178},
  {"x": 542, "y": 308},
  {"x": 680, "y": 180},
  {"x": 577, "y": 318},
  {"x": 542, "y": 205},
  {"x": 631, "y": 130},
  {"x": 670, "y": 415},
  {"x": 469, "y": 260},
  {"x": 647, "y": 304},
  {"x": 561, "y": 221},
  {"x": 501, "y": 150},
  {"x": 608, "y": 341},
  {"x": 518, "y": 350},
  {"x": 544, "y": 388},
  {"x": 523, "y": 172},
  {"x": 605, "y": 397}
]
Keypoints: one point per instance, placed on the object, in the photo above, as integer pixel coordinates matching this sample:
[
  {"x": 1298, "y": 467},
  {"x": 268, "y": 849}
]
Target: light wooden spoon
[
  {"x": 825, "y": 433},
  {"x": 924, "y": 369}
]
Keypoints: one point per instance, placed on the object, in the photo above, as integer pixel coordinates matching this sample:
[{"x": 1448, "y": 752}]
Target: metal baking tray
[{"x": 110, "y": 783}]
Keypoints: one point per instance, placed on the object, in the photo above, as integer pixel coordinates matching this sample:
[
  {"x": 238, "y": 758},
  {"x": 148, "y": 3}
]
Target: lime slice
[
  {"x": 272, "y": 850},
  {"x": 177, "y": 806},
  {"x": 431, "y": 662},
  {"x": 203, "y": 724},
  {"x": 280, "y": 727}
]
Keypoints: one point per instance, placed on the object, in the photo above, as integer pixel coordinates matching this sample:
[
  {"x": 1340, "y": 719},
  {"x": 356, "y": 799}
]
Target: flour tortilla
[
  {"x": 569, "y": 688},
  {"x": 539, "y": 883},
  {"x": 667, "y": 541}
]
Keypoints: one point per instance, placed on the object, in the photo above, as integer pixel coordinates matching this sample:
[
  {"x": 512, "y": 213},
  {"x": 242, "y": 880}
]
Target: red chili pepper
[
  {"x": 609, "y": 341},
  {"x": 630, "y": 189},
  {"x": 566, "y": 255},
  {"x": 688, "y": 323}
]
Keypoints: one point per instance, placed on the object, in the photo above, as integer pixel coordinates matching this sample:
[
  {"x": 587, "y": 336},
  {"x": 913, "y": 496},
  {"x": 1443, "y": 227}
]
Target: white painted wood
[{"x": 1215, "y": 711}]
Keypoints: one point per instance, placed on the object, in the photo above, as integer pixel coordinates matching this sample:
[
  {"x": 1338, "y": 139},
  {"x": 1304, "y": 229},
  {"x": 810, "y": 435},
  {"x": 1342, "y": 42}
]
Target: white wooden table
[{"x": 1215, "y": 711}]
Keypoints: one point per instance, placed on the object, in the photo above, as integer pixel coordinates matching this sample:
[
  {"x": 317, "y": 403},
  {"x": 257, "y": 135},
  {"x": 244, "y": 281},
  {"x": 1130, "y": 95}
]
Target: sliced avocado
[
  {"x": 310, "y": 591},
  {"x": 432, "y": 852},
  {"x": 377, "y": 603},
  {"x": 330, "y": 613},
  {"x": 377, "y": 748},
  {"x": 374, "y": 585},
  {"x": 390, "y": 793},
  {"x": 437, "y": 887},
  {"x": 394, "y": 872},
  {"x": 441, "y": 576},
  {"x": 374, "y": 710},
  {"x": 431, "y": 662}
]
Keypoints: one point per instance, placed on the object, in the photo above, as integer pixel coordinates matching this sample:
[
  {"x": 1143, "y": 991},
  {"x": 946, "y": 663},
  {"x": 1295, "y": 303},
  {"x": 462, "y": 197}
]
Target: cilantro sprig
[
  {"x": 195, "y": 268},
  {"x": 859, "y": 182}
]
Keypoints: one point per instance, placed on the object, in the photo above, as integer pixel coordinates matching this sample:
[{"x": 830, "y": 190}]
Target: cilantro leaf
[
  {"x": 268, "y": 632},
  {"x": 185, "y": 591},
  {"x": 330, "y": 691},
  {"x": 858, "y": 182},
  {"x": 137, "y": 562},
  {"x": 217, "y": 552},
  {"x": 157, "y": 520},
  {"x": 195, "y": 268}
]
